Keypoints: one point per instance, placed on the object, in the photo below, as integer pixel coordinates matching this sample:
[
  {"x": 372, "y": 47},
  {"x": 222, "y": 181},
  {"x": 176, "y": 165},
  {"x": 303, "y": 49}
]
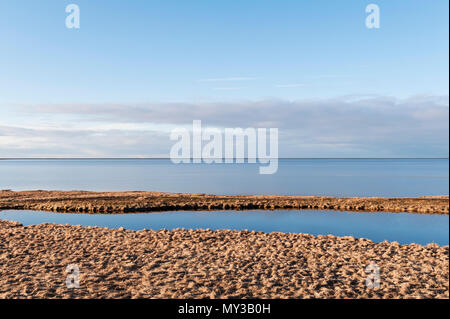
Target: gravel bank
[
  {"x": 123, "y": 202},
  {"x": 211, "y": 264}
]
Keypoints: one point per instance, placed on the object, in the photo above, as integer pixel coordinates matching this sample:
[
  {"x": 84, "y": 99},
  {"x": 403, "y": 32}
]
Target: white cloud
[
  {"x": 330, "y": 76},
  {"x": 350, "y": 126},
  {"x": 227, "y": 89},
  {"x": 294, "y": 85},
  {"x": 229, "y": 79}
]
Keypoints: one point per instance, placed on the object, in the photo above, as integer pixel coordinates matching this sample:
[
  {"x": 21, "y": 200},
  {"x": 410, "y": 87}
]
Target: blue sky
[{"x": 206, "y": 54}]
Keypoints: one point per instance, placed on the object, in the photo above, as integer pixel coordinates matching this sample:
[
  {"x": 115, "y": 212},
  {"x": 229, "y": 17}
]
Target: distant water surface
[{"x": 334, "y": 177}]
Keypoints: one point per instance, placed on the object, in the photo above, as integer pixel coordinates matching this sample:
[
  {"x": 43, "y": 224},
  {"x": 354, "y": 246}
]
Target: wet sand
[
  {"x": 123, "y": 202},
  {"x": 118, "y": 263}
]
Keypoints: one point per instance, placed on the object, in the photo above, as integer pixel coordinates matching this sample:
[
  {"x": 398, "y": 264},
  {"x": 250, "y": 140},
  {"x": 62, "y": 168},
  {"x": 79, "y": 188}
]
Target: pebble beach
[{"x": 120, "y": 263}]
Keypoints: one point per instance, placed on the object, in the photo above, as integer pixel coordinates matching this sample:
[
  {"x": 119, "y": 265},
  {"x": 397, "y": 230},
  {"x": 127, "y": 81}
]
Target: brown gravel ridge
[{"x": 123, "y": 202}]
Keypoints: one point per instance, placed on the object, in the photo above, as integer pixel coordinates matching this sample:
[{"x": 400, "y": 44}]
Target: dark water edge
[
  {"x": 322, "y": 177},
  {"x": 404, "y": 228}
]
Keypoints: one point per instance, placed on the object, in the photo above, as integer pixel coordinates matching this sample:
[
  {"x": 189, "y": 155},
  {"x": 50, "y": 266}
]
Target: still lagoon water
[
  {"x": 334, "y": 177},
  {"x": 404, "y": 228}
]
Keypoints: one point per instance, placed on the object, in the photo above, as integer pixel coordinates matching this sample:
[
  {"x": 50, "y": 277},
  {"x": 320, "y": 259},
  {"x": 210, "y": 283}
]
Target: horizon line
[{"x": 191, "y": 158}]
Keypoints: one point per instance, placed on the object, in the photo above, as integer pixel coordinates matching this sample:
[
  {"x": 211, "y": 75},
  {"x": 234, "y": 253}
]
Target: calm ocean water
[{"x": 335, "y": 177}]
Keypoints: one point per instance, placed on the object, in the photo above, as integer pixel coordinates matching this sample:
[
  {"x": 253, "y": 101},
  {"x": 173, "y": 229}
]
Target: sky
[{"x": 134, "y": 70}]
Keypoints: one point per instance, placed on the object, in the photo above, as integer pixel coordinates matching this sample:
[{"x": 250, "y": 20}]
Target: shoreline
[
  {"x": 193, "y": 264},
  {"x": 203, "y": 263},
  {"x": 137, "y": 201}
]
